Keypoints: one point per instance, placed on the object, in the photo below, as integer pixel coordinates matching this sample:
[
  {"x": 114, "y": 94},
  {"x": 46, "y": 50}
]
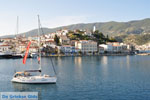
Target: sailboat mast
[
  {"x": 39, "y": 43},
  {"x": 17, "y": 30},
  {"x": 16, "y": 33}
]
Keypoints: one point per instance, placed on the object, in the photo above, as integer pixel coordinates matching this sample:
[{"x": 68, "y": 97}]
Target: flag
[{"x": 26, "y": 54}]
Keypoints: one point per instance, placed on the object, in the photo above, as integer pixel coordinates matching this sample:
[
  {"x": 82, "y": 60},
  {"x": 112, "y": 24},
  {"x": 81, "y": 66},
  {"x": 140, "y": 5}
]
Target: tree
[
  {"x": 99, "y": 37},
  {"x": 73, "y": 37},
  {"x": 112, "y": 39},
  {"x": 56, "y": 39},
  {"x": 107, "y": 37},
  {"x": 79, "y": 31},
  {"x": 80, "y": 52}
]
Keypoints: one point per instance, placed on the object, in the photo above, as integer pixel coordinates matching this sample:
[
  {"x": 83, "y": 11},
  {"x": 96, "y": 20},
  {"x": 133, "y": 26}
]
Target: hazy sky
[{"x": 54, "y": 13}]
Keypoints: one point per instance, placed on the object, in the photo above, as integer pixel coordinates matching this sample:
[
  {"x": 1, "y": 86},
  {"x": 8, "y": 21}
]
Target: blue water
[{"x": 85, "y": 78}]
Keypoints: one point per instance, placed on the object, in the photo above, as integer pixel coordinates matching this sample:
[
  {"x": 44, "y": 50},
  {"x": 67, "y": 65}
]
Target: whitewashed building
[
  {"x": 62, "y": 32},
  {"x": 67, "y": 49},
  {"x": 64, "y": 40},
  {"x": 5, "y": 48},
  {"x": 49, "y": 42},
  {"x": 33, "y": 49},
  {"x": 101, "y": 49},
  {"x": 86, "y": 46},
  {"x": 50, "y": 35},
  {"x": 115, "y": 47},
  {"x": 106, "y": 47}
]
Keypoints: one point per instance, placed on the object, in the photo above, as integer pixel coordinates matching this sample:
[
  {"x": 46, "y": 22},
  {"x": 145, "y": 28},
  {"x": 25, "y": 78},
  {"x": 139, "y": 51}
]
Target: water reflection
[
  {"x": 40, "y": 88},
  {"x": 33, "y": 87},
  {"x": 59, "y": 61},
  {"x": 92, "y": 77},
  {"x": 104, "y": 61},
  {"x": 128, "y": 62},
  {"x": 78, "y": 61}
]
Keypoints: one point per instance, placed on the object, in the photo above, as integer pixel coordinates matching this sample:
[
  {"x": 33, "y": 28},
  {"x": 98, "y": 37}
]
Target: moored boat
[
  {"x": 17, "y": 55},
  {"x": 26, "y": 76},
  {"x": 5, "y": 55}
]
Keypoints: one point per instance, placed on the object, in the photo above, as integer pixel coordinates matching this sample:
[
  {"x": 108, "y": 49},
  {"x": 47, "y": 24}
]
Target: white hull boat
[{"x": 35, "y": 79}]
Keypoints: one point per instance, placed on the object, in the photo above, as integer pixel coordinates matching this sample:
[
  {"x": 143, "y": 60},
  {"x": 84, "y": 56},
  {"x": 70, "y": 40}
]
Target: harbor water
[{"x": 84, "y": 78}]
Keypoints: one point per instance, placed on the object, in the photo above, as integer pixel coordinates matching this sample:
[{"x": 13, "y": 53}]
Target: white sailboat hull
[{"x": 34, "y": 79}]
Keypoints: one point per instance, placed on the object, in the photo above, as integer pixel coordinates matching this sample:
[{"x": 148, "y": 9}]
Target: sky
[{"x": 55, "y": 13}]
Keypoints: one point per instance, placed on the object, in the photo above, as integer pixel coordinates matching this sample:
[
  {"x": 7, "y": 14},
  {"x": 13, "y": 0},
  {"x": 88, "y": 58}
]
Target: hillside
[
  {"x": 134, "y": 39},
  {"x": 118, "y": 29},
  {"x": 111, "y": 28}
]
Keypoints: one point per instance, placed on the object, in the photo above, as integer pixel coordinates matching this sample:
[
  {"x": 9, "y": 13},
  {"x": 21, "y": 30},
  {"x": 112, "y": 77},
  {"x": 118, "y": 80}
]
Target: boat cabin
[
  {"x": 20, "y": 74},
  {"x": 25, "y": 73}
]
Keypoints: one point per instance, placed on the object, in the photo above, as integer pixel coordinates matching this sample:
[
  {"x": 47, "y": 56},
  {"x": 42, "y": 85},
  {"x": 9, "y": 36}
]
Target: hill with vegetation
[
  {"x": 111, "y": 28},
  {"x": 122, "y": 31},
  {"x": 135, "y": 39}
]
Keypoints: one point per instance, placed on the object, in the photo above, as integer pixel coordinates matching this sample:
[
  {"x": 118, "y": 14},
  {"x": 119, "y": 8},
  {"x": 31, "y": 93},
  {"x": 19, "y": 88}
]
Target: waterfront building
[
  {"x": 67, "y": 49},
  {"x": 33, "y": 49},
  {"x": 131, "y": 47},
  {"x": 86, "y": 46},
  {"x": 5, "y": 48},
  {"x": 106, "y": 47},
  {"x": 21, "y": 48},
  {"x": 116, "y": 47},
  {"x": 101, "y": 49},
  {"x": 124, "y": 48}
]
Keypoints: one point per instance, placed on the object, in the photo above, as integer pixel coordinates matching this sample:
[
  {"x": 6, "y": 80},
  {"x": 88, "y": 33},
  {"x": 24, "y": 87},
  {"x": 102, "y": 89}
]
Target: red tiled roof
[{"x": 5, "y": 45}]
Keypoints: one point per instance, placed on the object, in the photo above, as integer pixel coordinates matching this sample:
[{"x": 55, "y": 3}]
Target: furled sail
[{"x": 26, "y": 54}]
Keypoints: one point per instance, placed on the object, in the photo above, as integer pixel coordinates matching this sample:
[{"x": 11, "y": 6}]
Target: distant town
[{"x": 66, "y": 42}]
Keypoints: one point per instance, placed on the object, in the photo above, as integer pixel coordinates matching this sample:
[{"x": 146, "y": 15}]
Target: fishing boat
[{"x": 27, "y": 75}]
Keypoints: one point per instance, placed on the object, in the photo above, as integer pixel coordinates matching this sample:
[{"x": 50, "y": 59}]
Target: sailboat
[{"x": 26, "y": 76}]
